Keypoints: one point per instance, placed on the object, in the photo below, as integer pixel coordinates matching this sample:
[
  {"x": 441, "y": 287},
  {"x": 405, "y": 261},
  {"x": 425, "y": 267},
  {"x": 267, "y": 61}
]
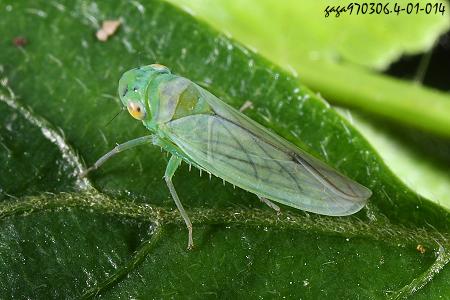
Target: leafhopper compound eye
[{"x": 136, "y": 110}]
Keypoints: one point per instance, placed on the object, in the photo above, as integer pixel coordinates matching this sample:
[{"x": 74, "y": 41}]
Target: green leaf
[
  {"x": 119, "y": 234},
  {"x": 328, "y": 53}
]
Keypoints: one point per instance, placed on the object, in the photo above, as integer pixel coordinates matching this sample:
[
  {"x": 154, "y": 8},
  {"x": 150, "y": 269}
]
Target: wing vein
[
  {"x": 240, "y": 146},
  {"x": 278, "y": 163}
]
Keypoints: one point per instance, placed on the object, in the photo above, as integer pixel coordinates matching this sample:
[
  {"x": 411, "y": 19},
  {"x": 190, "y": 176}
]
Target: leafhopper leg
[
  {"x": 119, "y": 148},
  {"x": 172, "y": 166},
  {"x": 270, "y": 204}
]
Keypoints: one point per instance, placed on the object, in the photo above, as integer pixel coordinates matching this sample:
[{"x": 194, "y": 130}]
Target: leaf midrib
[{"x": 92, "y": 200}]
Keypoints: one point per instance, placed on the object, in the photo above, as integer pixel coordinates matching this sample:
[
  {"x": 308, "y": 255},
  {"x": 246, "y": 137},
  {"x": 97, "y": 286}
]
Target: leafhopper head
[{"x": 133, "y": 86}]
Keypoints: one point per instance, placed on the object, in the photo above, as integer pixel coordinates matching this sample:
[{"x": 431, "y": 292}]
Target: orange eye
[{"x": 136, "y": 110}]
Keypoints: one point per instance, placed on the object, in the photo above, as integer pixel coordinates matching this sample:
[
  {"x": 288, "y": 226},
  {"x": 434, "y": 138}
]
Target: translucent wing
[{"x": 239, "y": 150}]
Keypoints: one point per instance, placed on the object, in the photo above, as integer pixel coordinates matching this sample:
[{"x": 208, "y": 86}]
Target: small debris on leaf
[
  {"x": 109, "y": 27},
  {"x": 421, "y": 249},
  {"x": 20, "y": 41},
  {"x": 247, "y": 104}
]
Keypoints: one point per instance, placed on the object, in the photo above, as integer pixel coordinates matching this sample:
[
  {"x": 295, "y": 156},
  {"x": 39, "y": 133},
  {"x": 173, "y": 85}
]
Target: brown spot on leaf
[{"x": 20, "y": 41}]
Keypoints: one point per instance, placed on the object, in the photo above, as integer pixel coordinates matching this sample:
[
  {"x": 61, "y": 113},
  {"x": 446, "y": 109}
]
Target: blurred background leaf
[
  {"x": 119, "y": 234},
  {"x": 299, "y": 30}
]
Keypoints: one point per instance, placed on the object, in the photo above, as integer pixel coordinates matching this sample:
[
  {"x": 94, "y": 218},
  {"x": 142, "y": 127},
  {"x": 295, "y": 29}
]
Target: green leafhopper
[{"x": 198, "y": 128}]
